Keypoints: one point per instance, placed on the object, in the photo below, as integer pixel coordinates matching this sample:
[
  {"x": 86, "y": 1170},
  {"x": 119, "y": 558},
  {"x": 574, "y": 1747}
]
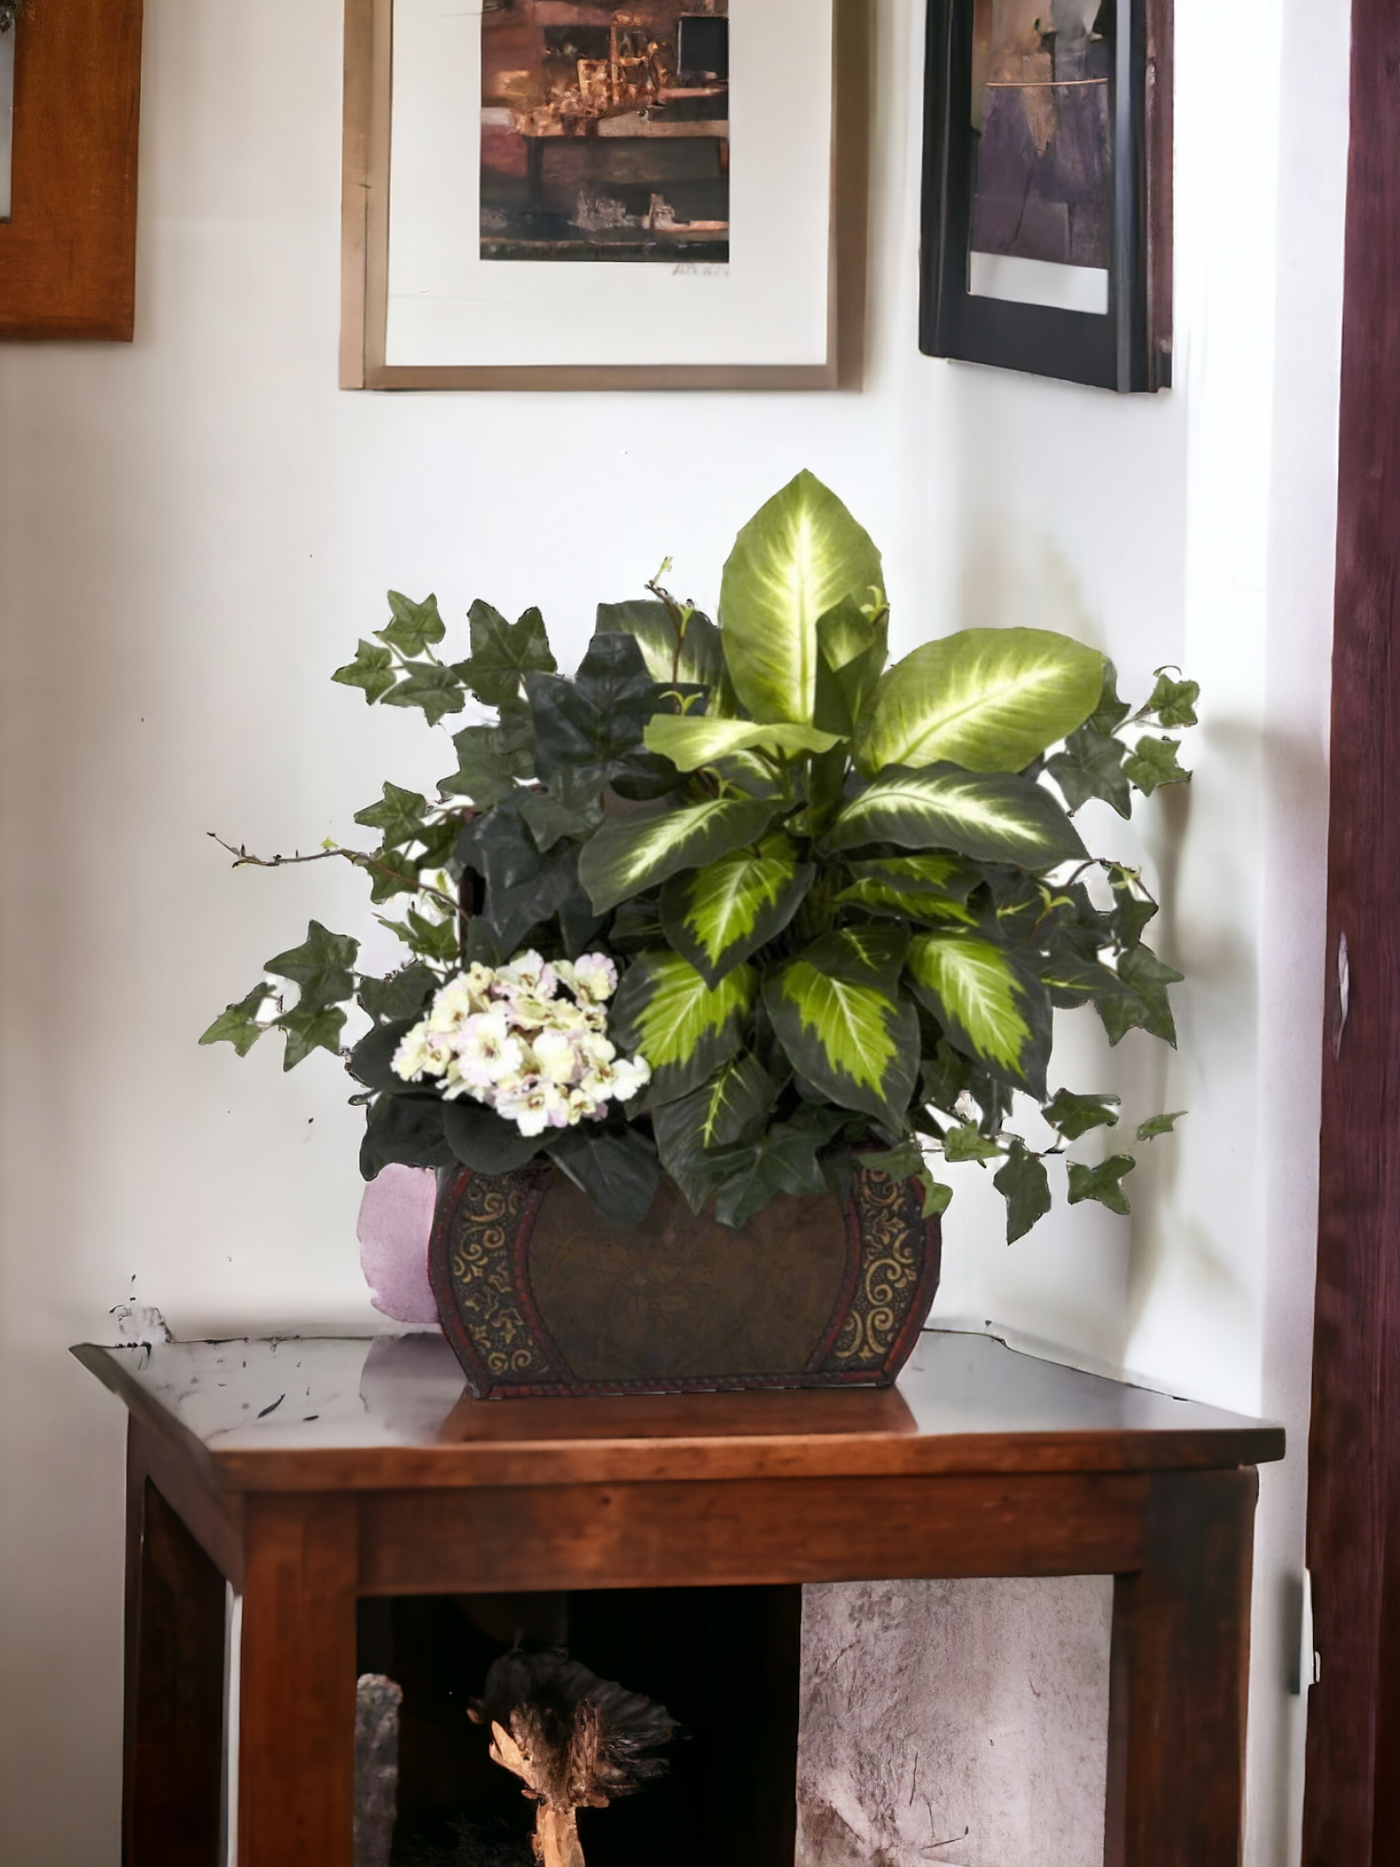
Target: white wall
[{"x": 194, "y": 530}]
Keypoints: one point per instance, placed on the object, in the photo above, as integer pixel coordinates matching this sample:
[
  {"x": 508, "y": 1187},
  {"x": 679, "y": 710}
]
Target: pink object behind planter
[{"x": 396, "y": 1222}]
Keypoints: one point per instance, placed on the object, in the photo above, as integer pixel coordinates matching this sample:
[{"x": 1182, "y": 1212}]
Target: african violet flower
[{"x": 508, "y": 1038}]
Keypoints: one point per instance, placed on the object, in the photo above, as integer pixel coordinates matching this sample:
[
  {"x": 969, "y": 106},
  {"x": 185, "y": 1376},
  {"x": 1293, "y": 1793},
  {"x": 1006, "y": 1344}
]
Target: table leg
[
  {"x": 1179, "y": 1681},
  {"x": 296, "y": 1762},
  {"x": 174, "y": 1686}
]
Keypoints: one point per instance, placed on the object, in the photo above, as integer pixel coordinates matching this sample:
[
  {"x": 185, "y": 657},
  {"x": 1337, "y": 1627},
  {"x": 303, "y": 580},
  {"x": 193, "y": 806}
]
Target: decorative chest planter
[{"x": 540, "y": 1295}]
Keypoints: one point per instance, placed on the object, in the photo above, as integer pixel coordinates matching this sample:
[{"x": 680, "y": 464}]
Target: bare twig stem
[{"x": 361, "y": 860}]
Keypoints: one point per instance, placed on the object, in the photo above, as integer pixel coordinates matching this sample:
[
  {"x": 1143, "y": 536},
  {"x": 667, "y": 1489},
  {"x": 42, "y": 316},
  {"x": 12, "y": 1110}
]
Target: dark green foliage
[{"x": 842, "y": 934}]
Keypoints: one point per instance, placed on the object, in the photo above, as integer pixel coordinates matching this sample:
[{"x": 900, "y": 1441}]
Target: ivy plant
[{"x": 846, "y": 898}]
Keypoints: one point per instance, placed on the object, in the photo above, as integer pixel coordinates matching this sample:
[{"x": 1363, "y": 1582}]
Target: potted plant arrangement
[{"x": 715, "y": 954}]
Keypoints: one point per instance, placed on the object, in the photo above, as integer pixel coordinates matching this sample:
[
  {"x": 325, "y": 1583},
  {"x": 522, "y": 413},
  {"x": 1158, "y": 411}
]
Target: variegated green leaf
[
  {"x": 718, "y": 916},
  {"x": 853, "y": 646},
  {"x": 991, "y": 1008},
  {"x": 717, "y": 1115},
  {"x": 878, "y": 897},
  {"x": 797, "y": 558},
  {"x": 986, "y": 699},
  {"x": 927, "y": 873},
  {"x": 684, "y": 1028},
  {"x": 635, "y": 852},
  {"x": 1000, "y": 818},
  {"x": 848, "y": 1035},
  {"x": 690, "y": 743},
  {"x": 695, "y": 658}
]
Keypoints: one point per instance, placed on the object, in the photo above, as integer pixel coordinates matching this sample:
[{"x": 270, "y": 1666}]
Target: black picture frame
[{"x": 1128, "y": 348}]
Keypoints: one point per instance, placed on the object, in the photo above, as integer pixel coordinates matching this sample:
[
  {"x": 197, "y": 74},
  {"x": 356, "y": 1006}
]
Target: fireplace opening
[{"x": 725, "y": 1662}]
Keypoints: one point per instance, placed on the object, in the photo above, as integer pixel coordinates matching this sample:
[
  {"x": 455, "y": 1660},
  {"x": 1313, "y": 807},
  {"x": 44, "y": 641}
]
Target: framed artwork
[
  {"x": 1047, "y": 209},
  {"x": 70, "y": 88},
  {"x": 602, "y": 194}
]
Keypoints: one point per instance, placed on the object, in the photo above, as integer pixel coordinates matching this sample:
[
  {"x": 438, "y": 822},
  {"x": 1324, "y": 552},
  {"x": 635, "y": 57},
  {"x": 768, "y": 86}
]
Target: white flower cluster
[{"x": 509, "y": 1039}]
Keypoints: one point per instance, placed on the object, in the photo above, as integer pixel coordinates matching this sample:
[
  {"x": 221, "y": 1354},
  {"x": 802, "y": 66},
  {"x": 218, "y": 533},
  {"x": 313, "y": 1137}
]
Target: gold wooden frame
[{"x": 365, "y": 239}]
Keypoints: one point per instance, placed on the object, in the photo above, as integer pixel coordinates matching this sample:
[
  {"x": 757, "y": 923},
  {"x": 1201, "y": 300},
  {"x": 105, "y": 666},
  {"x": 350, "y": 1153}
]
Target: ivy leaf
[
  {"x": 308, "y": 1028},
  {"x": 969, "y": 1143},
  {"x": 896, "y": 1163},
  {"x": 1103, "y": 1183},
  {"x": 1159, "y": 1125},
  {"x": 1073, "y": 981},
  {"x": 1111, "y": 712},
  {"x": 1025, "y": 1186},
  {"x": 1174, "y": 702},
  {"x": 1152, "y": 763},
  {"x": 240, "y": 1024},
  {"x": 937, "y": 1197},
  {"x": 372, "y": 670},
  {"x": 405, "y": 1131},
  {"x": 716, "y": 1116},
  {"x": 1091, "y": 765},
  {"x": 1144, "y": 1005},
  {"x": 399, "y": 816},
  {"x": 785, "y": 1160},
  {"x": 432, "y": 687},
  {"x": 485, "y": 772},
  {"x": 400, "y": 995},
  {"x": 322, "y": 967},
  {"x": 593, "y": 725},
  {"x": 619, "y": 1171},
  {"x": 1131, "y": 911},
  {"x": 1072, "y": 1116},
  {"x": 416, "y": 626},
  {"x": 524, "y": 887},
  {"x": 435, "y": 940},
  {"x": 550, "y": 821},
  {"x": 847, "y": 1030},
  {"x": 685, "y": 1029},
  {"x": 504, "y": 653},
  {"x": 391, "y": 874}
]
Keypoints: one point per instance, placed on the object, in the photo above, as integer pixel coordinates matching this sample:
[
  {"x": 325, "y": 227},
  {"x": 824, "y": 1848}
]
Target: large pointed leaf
[
  {"x": 694, "y": 659},
  {"x": 848, "y": 1035},
  {"x": 690, "y": 743},
  {"x": 794, "y": 560},
  {"x": 684, "y": 1028},
  {"x": 852, "y": 650},
  {"x": 718, "y": 915},
  {"x": 1001, "y": 818},
  {"x": 878, "y": 897},
  {"x": 716, "y": 1116},
  {"x": 986, "y": 699},
  {"x": 629, "y": 854},
  {"x": 991, "y": 1008}
]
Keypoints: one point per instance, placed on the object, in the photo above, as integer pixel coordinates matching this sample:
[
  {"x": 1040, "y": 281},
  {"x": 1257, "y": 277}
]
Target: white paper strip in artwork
[
  {"x": 7, "y": 115},
  {"x": 1038, "y": 282},
  {"x": 768, "y": 306}
]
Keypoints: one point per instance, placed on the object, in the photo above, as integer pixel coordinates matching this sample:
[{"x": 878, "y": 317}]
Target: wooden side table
[{"x": 311, "y": 1472}]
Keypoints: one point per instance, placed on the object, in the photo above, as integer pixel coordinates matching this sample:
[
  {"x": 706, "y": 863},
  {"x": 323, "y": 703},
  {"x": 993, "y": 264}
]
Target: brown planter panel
[{"x": 539, "y": 1295}]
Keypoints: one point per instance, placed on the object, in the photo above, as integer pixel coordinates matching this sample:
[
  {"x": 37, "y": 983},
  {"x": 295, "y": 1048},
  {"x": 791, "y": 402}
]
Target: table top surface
[{"x": 391, "y": 1412}]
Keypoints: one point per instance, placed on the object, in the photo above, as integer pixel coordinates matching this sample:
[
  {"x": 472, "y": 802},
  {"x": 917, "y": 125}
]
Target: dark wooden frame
[
  {"x": 365, "y": 238},
  {"x": 541, "y": 1495},
  {"x": 1129, "y": 348},
  {"x": 68, "y": 252},
  {"x": 1352, "y": 1798}
]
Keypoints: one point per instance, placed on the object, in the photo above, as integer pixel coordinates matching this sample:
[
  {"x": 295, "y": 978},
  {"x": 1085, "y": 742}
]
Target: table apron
[{"x": 760, "y": 1530}]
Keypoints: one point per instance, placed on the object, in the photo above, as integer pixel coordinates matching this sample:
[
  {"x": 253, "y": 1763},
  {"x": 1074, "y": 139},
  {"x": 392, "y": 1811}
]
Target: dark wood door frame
[{"x": 1352, "y": 1800}]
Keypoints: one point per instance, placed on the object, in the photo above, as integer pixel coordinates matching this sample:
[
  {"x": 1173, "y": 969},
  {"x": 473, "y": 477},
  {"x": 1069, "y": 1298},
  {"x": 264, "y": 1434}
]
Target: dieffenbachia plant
[{"x": 846, "y": 898}]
